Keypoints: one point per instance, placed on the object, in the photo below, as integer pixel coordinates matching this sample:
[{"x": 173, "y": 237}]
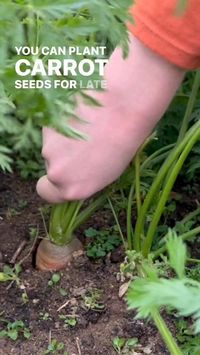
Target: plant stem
[
  {"x": 59, "y": 219},
  {"x": 190, "y": 107},
  {"x": 156, "y": 156},
  {"x": 137, "y": 182},
  {"x": 166, "y": 191},
  {"x": 117, "y": 222},
  {"x": 166, "y": 334},
  {"x": 159, "y": 179},
  {"x": 168, "y": 164},
  {"x": 191, "y": 260},
  {"x": 161, "y": 326},
  {"x": 137, "y": 241},
  {"x": 129, "y": 226},
  {"x": 72, "y": 213},
  {"x": 191, "y": 215},
  {"x": 89, "y": 210},
  {"x": 186, "y": 219}
]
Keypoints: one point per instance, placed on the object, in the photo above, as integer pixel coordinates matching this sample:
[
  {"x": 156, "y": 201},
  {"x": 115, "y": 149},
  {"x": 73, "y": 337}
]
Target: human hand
[{"x": 139, "y": 91}]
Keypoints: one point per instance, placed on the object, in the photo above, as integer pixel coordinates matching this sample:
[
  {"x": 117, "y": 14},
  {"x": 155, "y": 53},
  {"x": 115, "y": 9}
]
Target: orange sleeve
[{"x": 175, "y": 37}]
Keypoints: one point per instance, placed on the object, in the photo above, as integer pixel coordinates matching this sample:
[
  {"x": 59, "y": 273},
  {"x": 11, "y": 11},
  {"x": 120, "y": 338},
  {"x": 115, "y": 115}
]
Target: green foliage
[
  {"x": 143, "y": 236},
  {"x": 56, "y": 347},
  {"x": 67, "y": 217},
  {"x": 62, "y": 220},
  {"x": 193, "y": 272},
  {"x": 101, "y": 242},
  {"x": 154, "y": 173},
  {"x": 55, "y": 279},
  {"x": 128, "y": 269},
  {"x": 92, "y": 300},
  {"x": 14, "y": 329},
  {"x": 180, "y": 293},
  {"x": 45, "y": 316},
  {"x": 11, "y": 274},
  {"x": 5, "y": 159},
  {"x": 48, "y": 23},
  {"x": 69, "y": 321},
  {"x": 177, "y": 254},
  {"x": 30, "y": 164},
  {"x": 190, "y": 344},
  {"x": 169, "y": 126},
  {"x": 123, "y": 345}
]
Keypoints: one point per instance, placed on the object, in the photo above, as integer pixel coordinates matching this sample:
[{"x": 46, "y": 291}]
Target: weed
[
  {"x": 44, "y": 316},
  {"x": 56, "y": 347},
  {"x": 92, "y": 300},
  {"x": 55, "y": 279},
  {"x": 101, "y": 242},
  {"x": 11, "y": 274},
  {"x": 14, "y": 329},
  {"x": 33, "y": 232},
  {"x": 69, "y": 320},
  {"x": 128, "y": 269},
  {"x": 25, "y": 298},
  {"x": 124, "y": 346}
]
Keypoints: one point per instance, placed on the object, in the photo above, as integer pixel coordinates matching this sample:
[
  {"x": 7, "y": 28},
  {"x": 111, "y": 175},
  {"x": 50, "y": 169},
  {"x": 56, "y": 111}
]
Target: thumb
[{"x": 48, "y": 191}]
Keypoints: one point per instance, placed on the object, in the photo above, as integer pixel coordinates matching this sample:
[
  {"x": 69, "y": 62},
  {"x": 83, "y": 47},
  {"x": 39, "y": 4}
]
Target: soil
[{"x": 95, "y": 328}]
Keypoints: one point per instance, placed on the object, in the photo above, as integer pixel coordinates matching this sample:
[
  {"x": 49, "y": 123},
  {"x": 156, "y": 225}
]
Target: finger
[{"x": 48, "y": 191}]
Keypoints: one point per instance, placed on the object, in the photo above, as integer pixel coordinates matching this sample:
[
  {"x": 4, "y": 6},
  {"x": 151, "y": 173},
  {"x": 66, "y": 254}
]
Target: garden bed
[{"x": 95, "y": 328}]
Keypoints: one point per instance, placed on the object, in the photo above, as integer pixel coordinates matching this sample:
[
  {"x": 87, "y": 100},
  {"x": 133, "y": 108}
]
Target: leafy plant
[
  {"x": 5, "y": 159},
  {"x": 180, "y": 293},
  {"x": 56, "y": 347},
  {"x": 55, "y": 279},
  {"x": 69, "y": 321},
  {"x": 14, "y": 329},
  {"x": 92, "y": 300},
  {"x": 123, "y": 345},
  {"x": 30, "y": 164},
  {"x": 100, "y": 242},
  {"x": 190, "y": 344},
  {"x": 45, "y": 316},
  {"x": 11, "y": 274}
]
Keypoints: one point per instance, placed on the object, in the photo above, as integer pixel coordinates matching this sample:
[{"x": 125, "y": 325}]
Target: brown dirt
[{"x": 94, "y": 331}]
